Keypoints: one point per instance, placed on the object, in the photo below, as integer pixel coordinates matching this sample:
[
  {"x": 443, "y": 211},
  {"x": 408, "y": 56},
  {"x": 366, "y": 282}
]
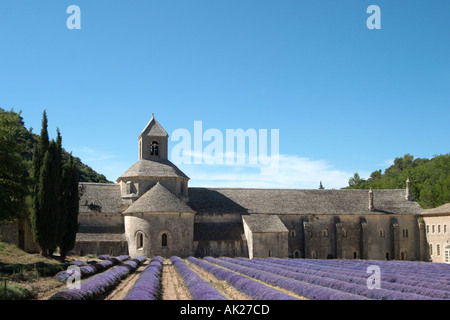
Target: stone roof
[
  {"x": 153, "y": 168},
  {"x": 158, "y": 199},
  {"x": 153, "y": 128},
  {"x": 264, "y": 223},
  {"x": 100, "y": 237},
  {"x": 220, "y": 231},
  {"x": 99, "y": 198},
  {"x": 297, "y": 201},
  {"x": 443, "y": 209}
]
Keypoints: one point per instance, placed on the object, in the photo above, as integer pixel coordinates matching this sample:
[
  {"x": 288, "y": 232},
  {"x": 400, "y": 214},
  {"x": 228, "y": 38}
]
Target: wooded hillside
[{"x": 430, "y": 179}]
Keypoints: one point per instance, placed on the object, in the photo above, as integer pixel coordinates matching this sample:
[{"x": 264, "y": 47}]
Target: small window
[
  {"x": 382, "y": 235},
  {"x": 405, "y": 233},
  {"x": 139, "y": 240},
  {"x": 325, "y": 233},
  {"x": 355, "y": 255},
  {"x": 428, "y": 229},
  {"x": 270, "y": 253},
  {"x": 431, "y": 249},
  {"x": 292, "y": 233},
  {"x": 439, "y": 228},
  {"x": 154, "y": 150},
  {"x": 438, "y": 250},
  {"x": 314, "y": 254},
  {"x": 445, "y": 228},
  {"x": 164, "y": 240},
  {"x": 387, "y": 255},
  {"x": 296, "y": 254},
  {"x": 432, "y": 228}
]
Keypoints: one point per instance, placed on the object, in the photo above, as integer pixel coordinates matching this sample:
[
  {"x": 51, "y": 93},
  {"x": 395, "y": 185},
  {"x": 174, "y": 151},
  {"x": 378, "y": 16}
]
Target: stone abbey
[{"x": 152, "y": 211}]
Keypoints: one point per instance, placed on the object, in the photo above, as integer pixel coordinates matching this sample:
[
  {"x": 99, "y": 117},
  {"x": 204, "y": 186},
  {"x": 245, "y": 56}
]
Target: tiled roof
[
  {"x": 294, "y": 201},
  {"x": 158, "y": 199},
  {"x": 220, "y": 231},
  {"x": 445, "y": 208},
  {"x": 99, "y": 197},
  {"x": 153, "y": 128},
  {"x": 153, "y": 168},
  {"x": 264, "y": 223}
]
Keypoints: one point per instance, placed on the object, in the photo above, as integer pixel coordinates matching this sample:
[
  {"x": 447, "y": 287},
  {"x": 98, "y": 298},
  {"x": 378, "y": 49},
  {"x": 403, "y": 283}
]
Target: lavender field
[{"x": 266, "y": 279}]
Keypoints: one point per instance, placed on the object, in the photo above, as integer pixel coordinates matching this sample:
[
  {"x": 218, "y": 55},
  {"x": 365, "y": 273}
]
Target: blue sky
[{"x": 345, "y": 98}]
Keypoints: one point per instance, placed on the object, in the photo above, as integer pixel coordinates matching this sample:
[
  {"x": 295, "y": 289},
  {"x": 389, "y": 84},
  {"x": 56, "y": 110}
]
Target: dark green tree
[
  {"x": 46, "y": 191},
  {"x": 70, "y": 208},
  {"x": 13, "y": 171},
  {"x": 321, "y": 185}
]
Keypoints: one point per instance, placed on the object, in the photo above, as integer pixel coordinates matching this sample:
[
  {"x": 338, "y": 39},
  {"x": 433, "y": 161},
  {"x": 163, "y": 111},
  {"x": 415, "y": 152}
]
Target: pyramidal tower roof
[
  {"x": 158, "y": 199},
  {"x": 153, "y": 128}
]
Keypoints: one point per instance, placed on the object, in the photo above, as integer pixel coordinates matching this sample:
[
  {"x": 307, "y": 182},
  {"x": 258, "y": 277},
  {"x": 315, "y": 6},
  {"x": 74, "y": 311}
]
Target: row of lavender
[
  {"x": 199, "y": 288},
  {"x": 421, "y": 278},
  {"x": 99, "y": 284},
  {"x": 147, "y": 286},
  {"x": 394, "y": 271},
  {"x": 250, "y": 287},
  {"x": 347, "y": 280},
  {"x": 87, "y": 270},
  {"x": 305, "y": 289}
]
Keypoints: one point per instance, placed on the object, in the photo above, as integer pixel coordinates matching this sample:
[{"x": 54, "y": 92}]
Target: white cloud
[{"x": 293, "y": 172}]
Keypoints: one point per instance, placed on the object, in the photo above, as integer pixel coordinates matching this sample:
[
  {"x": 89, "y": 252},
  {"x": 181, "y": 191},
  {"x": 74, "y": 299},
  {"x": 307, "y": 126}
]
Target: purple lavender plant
[
  {"x": 252, "y": 288},
  {"x": 97, "y": 285},
  {"x": 148, "y": 284},
  {"x": 199, "y": 288}
]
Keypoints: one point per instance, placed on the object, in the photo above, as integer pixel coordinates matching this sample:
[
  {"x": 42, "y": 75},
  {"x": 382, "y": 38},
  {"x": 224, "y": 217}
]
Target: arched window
[
  {"x": 387, "y": 255},
  {"x": 403, "y": 255},
  {"x": 325, "y": 233},
  {"x": 382, "y": 234},
  {"x": 431, "y": 249},
  {"x": 164, "y": 240},
  {"x": 139, "y": 240},
  {"x": 292, "y": 233},
  {"x": 270, "y": 253},
  {"x": 296, "y": 254},
  {"x": 355, "y": 255},
  {"x": 438, "y": 249},
  {"x": 154, "y": 148},
  {"x": 314, "y": 255}
]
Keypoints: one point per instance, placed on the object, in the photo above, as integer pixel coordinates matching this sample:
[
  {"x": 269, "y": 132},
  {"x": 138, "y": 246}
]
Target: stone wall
[
  {"x": 177, "y": 228},
  {"x": 377, "y": 236},
  {"x": 437, "y": 230}
]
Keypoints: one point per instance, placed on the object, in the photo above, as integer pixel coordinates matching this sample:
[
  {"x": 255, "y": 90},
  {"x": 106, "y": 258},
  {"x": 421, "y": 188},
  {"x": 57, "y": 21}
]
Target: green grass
[
  {"x": 14, "y": 291},
  {"x": 24, "y": 275}
]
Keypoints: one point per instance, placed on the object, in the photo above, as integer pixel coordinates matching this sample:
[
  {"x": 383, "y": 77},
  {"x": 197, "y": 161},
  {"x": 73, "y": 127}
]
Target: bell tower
[{"x": 153, "y": 142}]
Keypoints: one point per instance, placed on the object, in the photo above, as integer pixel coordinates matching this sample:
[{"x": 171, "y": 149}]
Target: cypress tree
[
  {"x": 70, "y": 209},
  {"x": 46, "y": 193},
  {"x": 36, "y": 218}
]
